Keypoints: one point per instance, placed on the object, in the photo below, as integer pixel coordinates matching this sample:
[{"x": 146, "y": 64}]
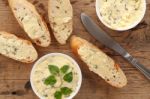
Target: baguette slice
[
  {"x": 32, "y": 23},
  {"x": 16, "y": 48},
  {"x": 99, "y": 62},
  {"x": 61, "y": 19}
]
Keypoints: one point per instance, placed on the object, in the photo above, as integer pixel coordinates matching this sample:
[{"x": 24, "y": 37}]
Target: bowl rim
[
  {"x": 120, "y": 29},
  {"x": 54, "y": 54}
]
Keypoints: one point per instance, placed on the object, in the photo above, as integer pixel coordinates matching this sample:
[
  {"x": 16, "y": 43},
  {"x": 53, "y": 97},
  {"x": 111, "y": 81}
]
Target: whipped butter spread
[
  {"x": 53, "y": 82},
  {"x": 121, "y": 13}
]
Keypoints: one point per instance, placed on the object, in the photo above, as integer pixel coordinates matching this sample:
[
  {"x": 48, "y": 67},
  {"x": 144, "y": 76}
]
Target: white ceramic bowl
[
  {"x": 119, "y": 29},
  {"x": 60, "y": 54}
]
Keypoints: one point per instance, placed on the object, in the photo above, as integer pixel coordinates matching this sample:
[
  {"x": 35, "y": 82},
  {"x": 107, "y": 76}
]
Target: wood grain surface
[{"x": 14, "y": 75}]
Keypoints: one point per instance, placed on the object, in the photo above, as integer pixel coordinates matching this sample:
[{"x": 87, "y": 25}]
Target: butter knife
[{"x": 105, "y": 39}]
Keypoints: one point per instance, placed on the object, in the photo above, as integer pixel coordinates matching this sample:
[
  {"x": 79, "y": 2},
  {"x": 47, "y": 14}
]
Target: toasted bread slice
[
  {"x": 61, "y": 19},
  {"x": 16, "y": 48},
  {"x": 99, "y": 62},
  {"x": 31, "y": 22}
]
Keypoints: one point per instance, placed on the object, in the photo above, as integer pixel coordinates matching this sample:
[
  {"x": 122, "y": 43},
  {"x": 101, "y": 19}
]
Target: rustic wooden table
[{"x": 14, "y": 75}]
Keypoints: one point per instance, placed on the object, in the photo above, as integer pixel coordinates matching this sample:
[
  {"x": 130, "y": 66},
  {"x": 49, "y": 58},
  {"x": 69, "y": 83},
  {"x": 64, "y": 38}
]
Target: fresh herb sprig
[
  {"x": 63, "y": 91},
  {"x": 51, "y": 80},
  {"x": 54, "y": 70},
  {"x": 64, "y": 69},
  {"x": 68, "y": 77}
]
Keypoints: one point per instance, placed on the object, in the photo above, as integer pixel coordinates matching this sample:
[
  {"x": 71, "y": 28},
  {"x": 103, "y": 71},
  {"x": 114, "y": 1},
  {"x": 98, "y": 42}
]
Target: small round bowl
[
  {"x": 68, "y": 57},
  {"x": 119, "y": 29}
]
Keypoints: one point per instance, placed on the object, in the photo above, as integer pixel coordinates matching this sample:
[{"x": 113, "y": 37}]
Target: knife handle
[
  {"x": 143, "y": 69},
  {"x": 138, "y": 65}
]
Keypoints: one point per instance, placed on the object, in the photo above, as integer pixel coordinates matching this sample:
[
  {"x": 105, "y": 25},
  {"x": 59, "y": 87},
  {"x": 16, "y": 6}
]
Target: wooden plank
[
  {"x": 14, "y": 75},
  {"x": 14, "y": 89}
]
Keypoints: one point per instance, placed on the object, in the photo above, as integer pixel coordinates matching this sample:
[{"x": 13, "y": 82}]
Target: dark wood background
[{"x": 14, "y": 75}]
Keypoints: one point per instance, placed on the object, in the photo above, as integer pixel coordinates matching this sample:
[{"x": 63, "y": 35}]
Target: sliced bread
[
  {"x": 31, "y": 21},
  {"x": 99, "y": 62},
  {"x": 16, "y": 48},
  {"x": 61, "y": 19}
]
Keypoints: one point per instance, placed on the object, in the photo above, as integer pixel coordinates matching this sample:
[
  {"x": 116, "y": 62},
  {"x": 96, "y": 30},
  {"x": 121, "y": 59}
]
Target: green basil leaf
[
  {"x": 66, "y": 90},
  {"x": 64, "y": 69},
  {"x": 51, "y": 80},
  {"x": 53, "y": 69},
  {"x": 68, "y": 77},
  {"x": 58, "y": 95}
]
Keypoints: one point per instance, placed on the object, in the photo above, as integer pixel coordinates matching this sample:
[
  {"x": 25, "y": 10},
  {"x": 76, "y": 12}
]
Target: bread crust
[
  {"x": 12, "y": 39},
  {"x": 38, "y": 39},
  {"x": 77, "y": 43}
]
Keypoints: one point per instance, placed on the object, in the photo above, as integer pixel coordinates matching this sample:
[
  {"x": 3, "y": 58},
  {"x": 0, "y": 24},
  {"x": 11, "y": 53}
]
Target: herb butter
[
  {"x": 121, "y": 13},
  {"x": 56, "y": 77}
]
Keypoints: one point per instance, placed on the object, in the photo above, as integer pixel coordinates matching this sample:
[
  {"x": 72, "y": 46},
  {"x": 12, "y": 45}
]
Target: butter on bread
[
  {"x": 16, "y": 48},
  {"x": 61, "y": 19},
  {"x": 30, "y": 20},
  {"x": 99, "y": 62}
]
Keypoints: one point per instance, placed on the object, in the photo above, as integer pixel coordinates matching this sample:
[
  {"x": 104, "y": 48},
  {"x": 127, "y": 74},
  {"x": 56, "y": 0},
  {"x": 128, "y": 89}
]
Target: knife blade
[{"x": 109, "y": 42}]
